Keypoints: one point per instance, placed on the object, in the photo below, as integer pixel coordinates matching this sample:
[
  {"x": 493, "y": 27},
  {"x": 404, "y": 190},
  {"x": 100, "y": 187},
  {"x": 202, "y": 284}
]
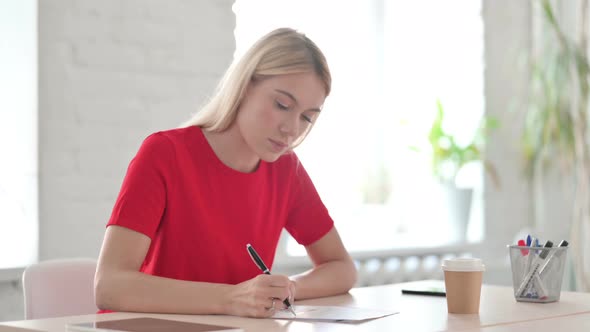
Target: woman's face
[{"x": 276, "y": 111}]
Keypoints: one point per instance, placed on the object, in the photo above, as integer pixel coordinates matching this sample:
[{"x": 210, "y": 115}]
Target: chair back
[{"x": 59, "y": 287}]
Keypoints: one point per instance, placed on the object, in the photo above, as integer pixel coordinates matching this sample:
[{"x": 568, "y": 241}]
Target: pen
[
  {"x": 563, "y": 243},
  {"x": 530, "y": 277},
  {"x": 524, "y": 253},
  {"x": 265, "y": 270},
  {"x": 540, "y": 288},
  {"x": 529, "y": 240},
  {"x": 531, "y": 244}
]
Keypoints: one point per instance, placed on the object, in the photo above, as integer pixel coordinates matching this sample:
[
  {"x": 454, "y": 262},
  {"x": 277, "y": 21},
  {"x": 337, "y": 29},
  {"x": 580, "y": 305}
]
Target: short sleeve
[
  {"x": 142, "y": 199},
  {"x": 308, "y": 219}
]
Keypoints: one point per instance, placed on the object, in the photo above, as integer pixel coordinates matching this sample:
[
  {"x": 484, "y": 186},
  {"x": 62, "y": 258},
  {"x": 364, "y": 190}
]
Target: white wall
[
  {"x": 508, "y": 209},
  {"x": 110, "y": 73}
]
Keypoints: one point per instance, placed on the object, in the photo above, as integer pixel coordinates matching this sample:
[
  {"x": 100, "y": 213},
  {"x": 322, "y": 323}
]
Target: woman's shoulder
[
  {"x": 173, "y": 137},
  {"x": 178, "y": 134},
  {"x": 167, "y": 140}
]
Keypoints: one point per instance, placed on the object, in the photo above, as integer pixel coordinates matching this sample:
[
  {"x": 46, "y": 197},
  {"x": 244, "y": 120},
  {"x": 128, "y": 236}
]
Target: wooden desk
[
  {"x": 498, "y": 312},
  {"x": 569, "y": 323}
]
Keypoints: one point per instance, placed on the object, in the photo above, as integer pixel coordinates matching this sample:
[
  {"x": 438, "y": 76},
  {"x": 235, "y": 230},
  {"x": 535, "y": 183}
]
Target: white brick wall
[{"x": 111, "y": 72}]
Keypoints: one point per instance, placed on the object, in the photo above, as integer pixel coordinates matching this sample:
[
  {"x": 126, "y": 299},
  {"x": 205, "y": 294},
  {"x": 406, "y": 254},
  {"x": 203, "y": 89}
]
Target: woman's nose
[{"x": 290, "y": 127}]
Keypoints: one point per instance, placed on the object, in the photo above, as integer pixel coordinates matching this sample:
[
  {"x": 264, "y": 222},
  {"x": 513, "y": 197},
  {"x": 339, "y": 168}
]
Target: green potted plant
[{"x": 448, "y": 159}]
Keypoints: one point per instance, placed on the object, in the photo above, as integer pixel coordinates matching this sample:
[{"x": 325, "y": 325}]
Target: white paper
[{"x": 330, "y": 313}]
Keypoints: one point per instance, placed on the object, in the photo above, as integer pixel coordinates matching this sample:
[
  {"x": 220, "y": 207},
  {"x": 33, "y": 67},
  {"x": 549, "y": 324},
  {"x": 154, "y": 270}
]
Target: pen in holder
[{"x": 537, "y": 273}]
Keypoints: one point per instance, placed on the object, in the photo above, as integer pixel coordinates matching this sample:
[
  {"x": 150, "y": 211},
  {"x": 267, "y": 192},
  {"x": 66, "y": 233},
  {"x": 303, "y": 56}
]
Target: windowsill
[
  {"x": 382, "y": 229},
  {"x": 471, "y": 247},
  {"x": 11, "y": 274}
]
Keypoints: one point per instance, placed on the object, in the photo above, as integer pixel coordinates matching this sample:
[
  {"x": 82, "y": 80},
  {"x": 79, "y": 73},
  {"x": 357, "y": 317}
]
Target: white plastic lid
[{"x": 463, "y": 265}]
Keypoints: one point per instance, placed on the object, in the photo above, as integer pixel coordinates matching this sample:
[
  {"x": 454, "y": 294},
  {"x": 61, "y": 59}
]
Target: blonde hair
[{"x": 282, "y": 51}]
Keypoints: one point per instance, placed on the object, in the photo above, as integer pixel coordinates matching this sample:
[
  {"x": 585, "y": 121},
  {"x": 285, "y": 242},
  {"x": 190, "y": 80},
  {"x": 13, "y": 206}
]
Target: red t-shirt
[{"x": 200, "y": 214}]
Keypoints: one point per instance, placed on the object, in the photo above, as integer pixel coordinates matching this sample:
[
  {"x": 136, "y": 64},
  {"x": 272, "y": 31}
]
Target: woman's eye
[
  {"x": 306, "y": 118},
  {"x": 281, "y": 106}
]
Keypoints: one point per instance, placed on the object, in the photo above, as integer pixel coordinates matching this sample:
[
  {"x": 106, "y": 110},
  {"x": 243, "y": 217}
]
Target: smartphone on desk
[{"x": 425, "y": 288}]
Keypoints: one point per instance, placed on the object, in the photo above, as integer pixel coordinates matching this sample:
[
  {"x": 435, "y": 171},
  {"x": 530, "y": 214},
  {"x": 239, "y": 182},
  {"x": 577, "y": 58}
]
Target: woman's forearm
[
  {"x": 330, "y": 278},
  {"x": 140, "y": 292}
]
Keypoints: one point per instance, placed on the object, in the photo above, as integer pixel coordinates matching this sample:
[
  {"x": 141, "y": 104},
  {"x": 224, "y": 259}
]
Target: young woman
[{"x": 194, "y": 197}]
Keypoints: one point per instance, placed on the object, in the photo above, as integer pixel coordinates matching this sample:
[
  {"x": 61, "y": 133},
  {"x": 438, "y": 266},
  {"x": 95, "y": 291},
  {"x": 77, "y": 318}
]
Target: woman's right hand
[{"x": 260, "y": 296}]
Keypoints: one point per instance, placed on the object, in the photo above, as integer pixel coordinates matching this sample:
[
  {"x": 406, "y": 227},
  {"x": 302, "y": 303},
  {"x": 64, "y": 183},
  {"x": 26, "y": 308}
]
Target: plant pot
[{"x": 457, "y": 205}]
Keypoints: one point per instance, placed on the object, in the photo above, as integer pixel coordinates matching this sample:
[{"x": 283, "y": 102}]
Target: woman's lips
[{"x": 277, "y": 145}]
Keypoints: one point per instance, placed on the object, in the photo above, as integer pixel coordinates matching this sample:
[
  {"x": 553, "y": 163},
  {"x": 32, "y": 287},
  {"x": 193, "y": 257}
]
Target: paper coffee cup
[{"x": 463, "y": 278}]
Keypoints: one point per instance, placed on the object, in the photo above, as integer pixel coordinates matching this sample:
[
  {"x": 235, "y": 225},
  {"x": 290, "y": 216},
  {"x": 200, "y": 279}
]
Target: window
[
  {"x": 390, "y": 61},
  {"x": 18, "y": 134}
]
